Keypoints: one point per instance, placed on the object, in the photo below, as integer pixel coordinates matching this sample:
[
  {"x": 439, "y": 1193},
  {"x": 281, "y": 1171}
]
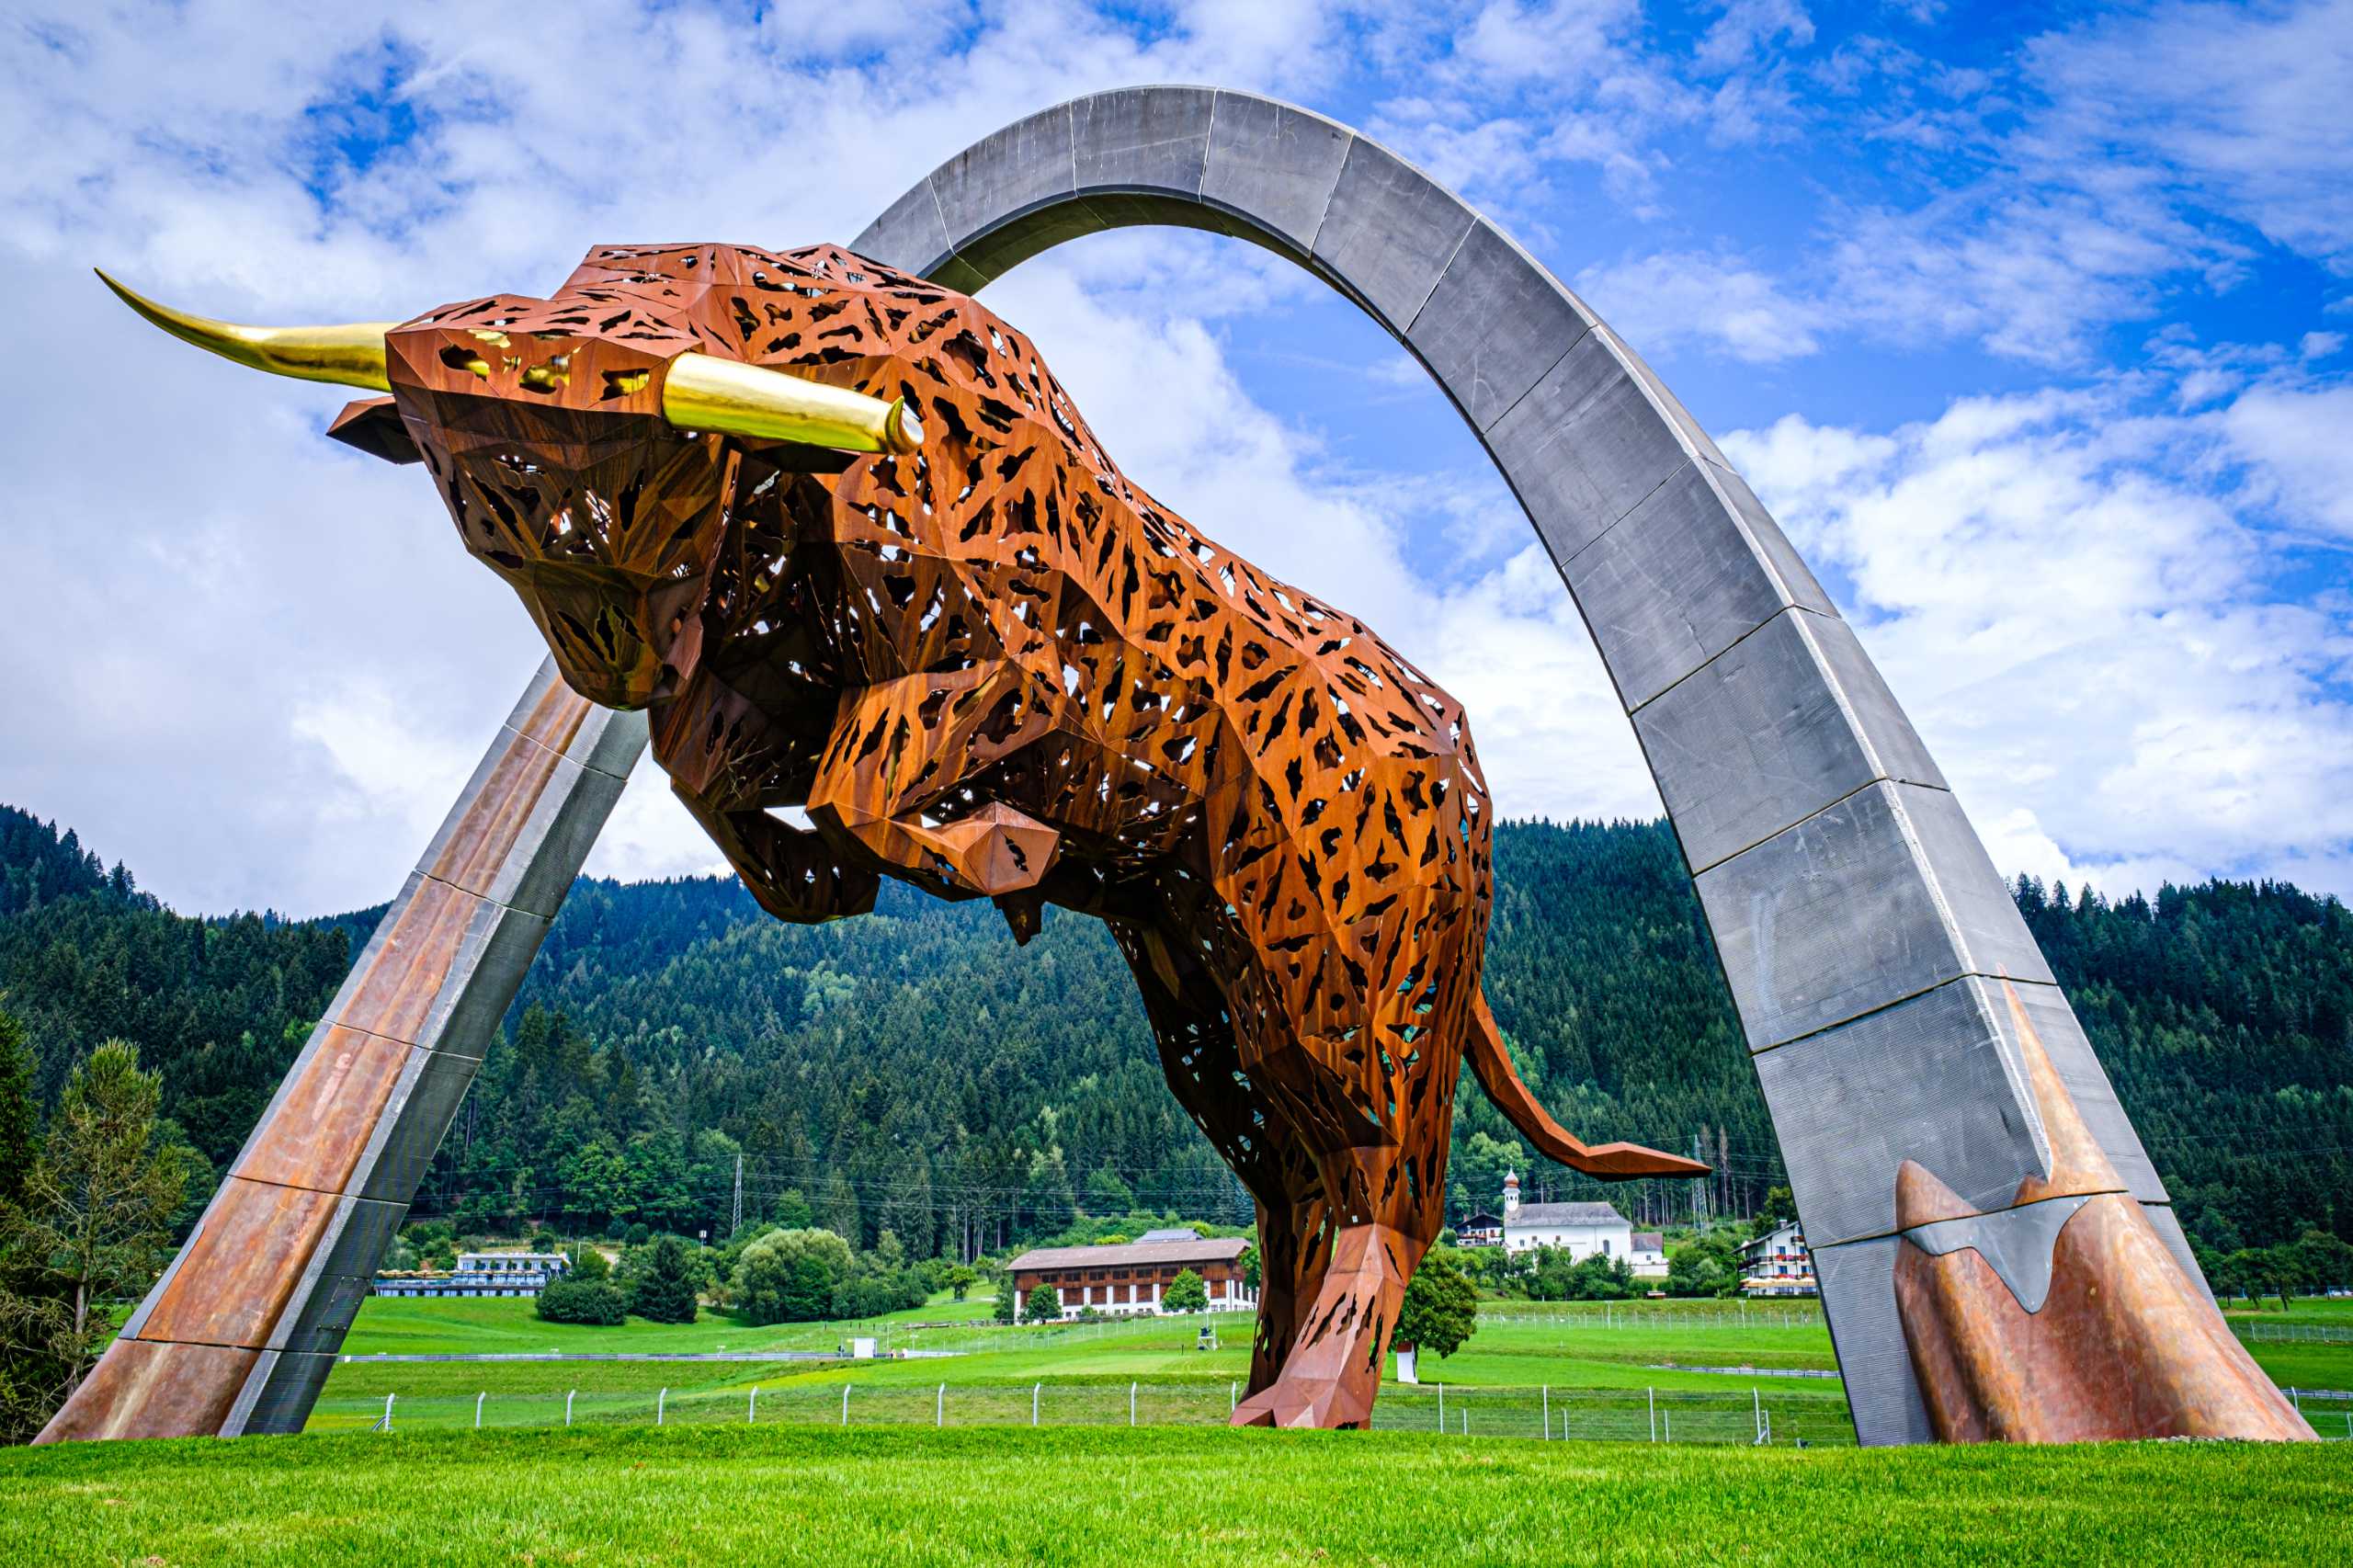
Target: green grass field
[
  {"x": 794, "y": 1475},
  {"x": 1529, "y": 1368},
  {"x": 797, "y": 1495}
]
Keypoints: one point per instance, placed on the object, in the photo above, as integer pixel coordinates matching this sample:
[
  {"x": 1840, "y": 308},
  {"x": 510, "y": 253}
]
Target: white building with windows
[
  {"x": 1776, "y": 1264},
  {"x": 481, "y": 1274},
  {"x": 1649, "y": 1254},
  {"x": 1583, "y": 1230}
]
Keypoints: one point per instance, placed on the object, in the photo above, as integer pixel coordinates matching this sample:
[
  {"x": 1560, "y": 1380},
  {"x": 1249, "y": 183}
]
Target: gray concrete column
[
  {"x": 240, "y": 1332},
  {"x": 1858, "y": 917}
]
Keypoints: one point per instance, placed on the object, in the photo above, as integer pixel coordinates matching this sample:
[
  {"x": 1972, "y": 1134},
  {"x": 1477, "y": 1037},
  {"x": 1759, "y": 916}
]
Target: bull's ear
[{"x": 374, "y": 426}]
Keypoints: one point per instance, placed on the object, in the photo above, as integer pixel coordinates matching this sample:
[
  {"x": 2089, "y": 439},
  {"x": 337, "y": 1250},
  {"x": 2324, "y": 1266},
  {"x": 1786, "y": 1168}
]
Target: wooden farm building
[{"x": 1131, "y": 1277}]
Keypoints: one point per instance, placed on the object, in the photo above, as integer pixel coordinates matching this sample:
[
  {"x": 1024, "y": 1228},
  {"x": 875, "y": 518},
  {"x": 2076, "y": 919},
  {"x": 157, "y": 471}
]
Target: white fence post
[
  {"x": 388, "y": 1412},
  {"x": 1670, "y": 1426},
  {"x": 1234, "y": 1398},
  {"x": 1756, "y": 1407},
  {"x": 939, "y": 1413},
  {"x": 567, "y": 1409},
  {"x": 845, "y": 1404},
  {"x": 478, "y": 1399},
  {"x": 1441, "y": 1407},
  {"x": 1548, "y": 1412},
  {"x": 751, "y": 1406},
  {"x": 661, "y": 1400},
  {"x": 1132, "y": 1404},
  {"x": 1654, "y": 1399},
  {"x": 1033, "y": 1403}
]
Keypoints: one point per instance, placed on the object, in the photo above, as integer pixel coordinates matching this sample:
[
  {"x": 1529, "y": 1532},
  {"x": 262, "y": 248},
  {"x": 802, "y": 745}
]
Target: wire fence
[
  {"x": 897, "y": 1334},
  {"x": 2261, "y": 1333},
  {"x": 1753, "y": 1416},
  {"x": 1653, "y": 1315}
]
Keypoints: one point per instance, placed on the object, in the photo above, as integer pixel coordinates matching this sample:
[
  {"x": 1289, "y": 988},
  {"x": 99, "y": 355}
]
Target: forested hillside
[{"x": 915, "y": 1071}]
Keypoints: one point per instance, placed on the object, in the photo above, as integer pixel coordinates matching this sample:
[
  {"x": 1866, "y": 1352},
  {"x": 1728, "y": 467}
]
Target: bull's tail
[{"x": 1611, "y": 1162}]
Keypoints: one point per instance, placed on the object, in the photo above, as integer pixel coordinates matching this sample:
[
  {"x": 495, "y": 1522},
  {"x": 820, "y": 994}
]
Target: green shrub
[
  {"x": 583, "y": 1301},
  {"x": 1186, "y": 1293}
]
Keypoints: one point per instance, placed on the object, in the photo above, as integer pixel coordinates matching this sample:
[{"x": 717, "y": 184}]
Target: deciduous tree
[{"x": 1440, "y": 1310}]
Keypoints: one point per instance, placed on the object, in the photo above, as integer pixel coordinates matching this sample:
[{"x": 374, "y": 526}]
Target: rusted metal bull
[{"x": 843, "y": 535}]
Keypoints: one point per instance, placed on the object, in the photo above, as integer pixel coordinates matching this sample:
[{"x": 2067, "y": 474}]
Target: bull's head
[{"x": 590, "y": 446}]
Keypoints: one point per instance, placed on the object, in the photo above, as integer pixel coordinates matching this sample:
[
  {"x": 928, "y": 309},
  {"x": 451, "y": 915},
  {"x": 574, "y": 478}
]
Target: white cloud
[
  {"x": 2244, "y": 106},
  {"x": 2083, "y": 633},
  {"x": 2301, "y": 440},
  {"x": 1673, "y": 298},
  {"x": 2112, "y": 161},
  {"x": 1747, "y": 28}
]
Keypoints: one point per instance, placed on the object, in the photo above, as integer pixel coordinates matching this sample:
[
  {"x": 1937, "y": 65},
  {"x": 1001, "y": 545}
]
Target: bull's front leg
[
  {"x": 792, "y": 872},
  {"x": 904, "y": 746}
]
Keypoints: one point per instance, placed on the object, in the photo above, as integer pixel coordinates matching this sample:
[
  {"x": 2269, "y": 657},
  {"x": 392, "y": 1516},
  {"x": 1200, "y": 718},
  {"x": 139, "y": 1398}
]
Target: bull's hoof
[
  {"x": 997, "y": 849},
  {"x": 1308, "y": 1402}
]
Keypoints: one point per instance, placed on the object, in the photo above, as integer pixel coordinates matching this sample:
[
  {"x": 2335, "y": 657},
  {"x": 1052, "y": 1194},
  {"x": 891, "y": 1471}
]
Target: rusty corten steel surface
[
  {"x": 240, "y": 1265},
  {"x": 198, "y": 1341},
  {"x": 149, "y": 1389},
  {"x": 2092, "y": 1332},
  {"x": 316, "y": 1138},
  {"x": 994, "y": 668}
]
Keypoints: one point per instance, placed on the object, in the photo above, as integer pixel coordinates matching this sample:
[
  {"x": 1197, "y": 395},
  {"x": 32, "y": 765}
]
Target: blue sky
[{"x": 2030, "y": 322}]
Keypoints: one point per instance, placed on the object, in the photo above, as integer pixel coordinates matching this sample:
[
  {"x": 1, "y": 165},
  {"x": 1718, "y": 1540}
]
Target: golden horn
[
  {"x": 728, "y": 397},
  {"x": 352, "y": 355}
]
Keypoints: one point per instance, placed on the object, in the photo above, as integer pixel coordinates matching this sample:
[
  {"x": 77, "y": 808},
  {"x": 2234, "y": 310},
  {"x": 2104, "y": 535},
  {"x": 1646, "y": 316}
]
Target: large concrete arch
[{"x": 1862, "y": 928}]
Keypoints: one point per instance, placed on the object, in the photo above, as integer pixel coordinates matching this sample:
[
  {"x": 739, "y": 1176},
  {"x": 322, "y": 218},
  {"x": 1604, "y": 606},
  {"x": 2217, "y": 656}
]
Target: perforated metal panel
[{"x": 1858, "y": 1297}]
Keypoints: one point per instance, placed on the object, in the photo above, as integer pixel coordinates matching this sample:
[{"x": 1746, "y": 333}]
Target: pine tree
[
  {"x": 663, "y": 1288},
  {"x": 20, "y": 1116}
]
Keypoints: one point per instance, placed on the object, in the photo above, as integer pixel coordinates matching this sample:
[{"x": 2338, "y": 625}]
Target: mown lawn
[
  {"x": 800, "y": 1494},
  {"x": 1587, "y": 1360}
]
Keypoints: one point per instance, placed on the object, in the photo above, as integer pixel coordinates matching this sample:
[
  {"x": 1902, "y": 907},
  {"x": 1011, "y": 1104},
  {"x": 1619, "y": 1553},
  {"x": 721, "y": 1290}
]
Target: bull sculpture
[{"x": 841, "y": 533}]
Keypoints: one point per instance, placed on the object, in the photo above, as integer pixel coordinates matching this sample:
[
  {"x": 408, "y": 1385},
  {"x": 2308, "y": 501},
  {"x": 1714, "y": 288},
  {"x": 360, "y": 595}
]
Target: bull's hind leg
[
  {"x": 1376, "y": 1101},
  {"x": 1293, "y": 1250},
  {"x": 1194, "y": 1029},
  {"x": 1331, "y": 1373}
]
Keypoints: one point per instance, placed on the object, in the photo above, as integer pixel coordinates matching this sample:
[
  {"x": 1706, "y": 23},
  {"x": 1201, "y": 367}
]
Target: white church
[{"x": 1583, "y": 1229}]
